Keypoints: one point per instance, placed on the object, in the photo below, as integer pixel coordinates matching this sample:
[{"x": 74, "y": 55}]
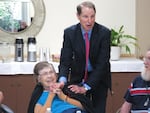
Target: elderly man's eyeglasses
[{"x": 146, "y": 59}]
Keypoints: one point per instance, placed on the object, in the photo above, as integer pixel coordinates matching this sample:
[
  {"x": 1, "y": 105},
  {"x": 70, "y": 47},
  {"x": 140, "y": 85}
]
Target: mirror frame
[{"x": 33, "y": 29}]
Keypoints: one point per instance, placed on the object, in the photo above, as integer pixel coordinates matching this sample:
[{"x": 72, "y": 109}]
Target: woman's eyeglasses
[{"x": 47, "y": 73}]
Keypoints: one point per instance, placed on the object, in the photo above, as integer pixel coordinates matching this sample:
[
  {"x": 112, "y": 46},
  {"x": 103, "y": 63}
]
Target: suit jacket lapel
[
  {"x": 93, "y": 39},
  {"x": 80, "y": 39}
]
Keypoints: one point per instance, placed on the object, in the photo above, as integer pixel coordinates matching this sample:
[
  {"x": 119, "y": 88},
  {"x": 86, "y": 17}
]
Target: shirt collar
[{"x": 83, "y": 32}]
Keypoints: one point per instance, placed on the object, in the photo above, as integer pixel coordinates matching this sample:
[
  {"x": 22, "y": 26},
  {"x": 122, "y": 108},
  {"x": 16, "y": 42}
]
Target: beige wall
[
  {"x": 61, "y": 14},
  {"x": 143, "y": 25}
]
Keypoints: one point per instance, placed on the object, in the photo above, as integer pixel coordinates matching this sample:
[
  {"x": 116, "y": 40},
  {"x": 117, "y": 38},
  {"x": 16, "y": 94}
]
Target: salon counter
[
  {"x": 13, "y": 68},
  {"x": 122, "y": 65}
]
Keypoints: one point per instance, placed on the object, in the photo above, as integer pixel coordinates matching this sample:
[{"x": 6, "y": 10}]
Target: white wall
[
  {"x": 61, "y": 14},
  {"x": 142, "y": 25}
]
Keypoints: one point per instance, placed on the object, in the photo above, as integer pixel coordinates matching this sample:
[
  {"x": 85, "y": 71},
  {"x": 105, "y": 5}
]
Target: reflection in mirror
[
  {"x": 15, "y": 16},
  {"x": 32, "y": 30}
]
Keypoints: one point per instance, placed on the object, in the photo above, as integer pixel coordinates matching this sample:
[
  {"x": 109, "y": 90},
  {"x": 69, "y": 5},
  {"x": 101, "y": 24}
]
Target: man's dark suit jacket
[{"x": 72, "y": 59}]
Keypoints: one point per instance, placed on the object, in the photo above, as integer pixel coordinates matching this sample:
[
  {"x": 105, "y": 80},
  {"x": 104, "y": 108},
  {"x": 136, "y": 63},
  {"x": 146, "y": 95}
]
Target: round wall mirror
[
  {"x": 20, "y": 18},
  {"x": 16, "y": 15}
]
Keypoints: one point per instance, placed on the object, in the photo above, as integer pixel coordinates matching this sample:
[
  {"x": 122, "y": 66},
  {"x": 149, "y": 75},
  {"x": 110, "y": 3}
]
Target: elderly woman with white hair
[{"x": 58, "y": 99}]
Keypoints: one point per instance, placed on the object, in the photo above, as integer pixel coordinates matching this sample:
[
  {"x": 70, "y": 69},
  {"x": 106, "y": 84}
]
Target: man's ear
[{"x": 77, "y": 15}]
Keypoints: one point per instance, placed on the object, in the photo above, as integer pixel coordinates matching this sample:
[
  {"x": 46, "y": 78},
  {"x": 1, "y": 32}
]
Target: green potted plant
[{"x": 120, "y": 40}]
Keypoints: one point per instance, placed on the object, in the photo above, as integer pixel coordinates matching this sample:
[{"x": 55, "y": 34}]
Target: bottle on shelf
[
  {"x": 44, "y": 54},
  {"x": 47, "y": 54},
  {"x": 31, "y": 48},
  {"x": 19, "y": 47}
]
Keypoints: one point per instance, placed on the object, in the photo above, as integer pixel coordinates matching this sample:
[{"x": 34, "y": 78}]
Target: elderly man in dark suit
[{"x": 89, "y": 70}]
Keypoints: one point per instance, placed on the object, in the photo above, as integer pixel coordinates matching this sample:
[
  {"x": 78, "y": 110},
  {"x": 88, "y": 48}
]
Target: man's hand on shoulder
[{"x": 77, "y": 89}]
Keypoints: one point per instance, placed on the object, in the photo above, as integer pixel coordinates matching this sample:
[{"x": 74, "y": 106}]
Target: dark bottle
[
  {"x": 19, "y": 46},
  {"x": 31, "y": 48}
]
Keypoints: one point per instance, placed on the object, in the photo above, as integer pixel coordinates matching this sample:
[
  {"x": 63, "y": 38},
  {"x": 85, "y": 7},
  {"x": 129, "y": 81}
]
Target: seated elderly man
[{"x": 137, "y": 97}]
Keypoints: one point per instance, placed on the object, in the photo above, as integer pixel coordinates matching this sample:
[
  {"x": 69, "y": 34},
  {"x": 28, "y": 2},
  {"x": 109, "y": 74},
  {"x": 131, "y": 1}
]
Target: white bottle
[
  {"x": 31, "y": 49},
  {"x": 47, "y": 54},
  {"x": 78, "y": 111},
  {"x": 148, "y": 110},
  {"x": 48, "y": 110}
]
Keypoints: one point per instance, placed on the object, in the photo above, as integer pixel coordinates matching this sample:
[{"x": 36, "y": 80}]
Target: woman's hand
[{"x": 56, "y": 87}]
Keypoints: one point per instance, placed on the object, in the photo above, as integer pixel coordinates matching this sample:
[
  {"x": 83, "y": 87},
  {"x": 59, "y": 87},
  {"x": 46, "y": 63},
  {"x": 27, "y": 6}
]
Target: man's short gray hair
[{"x": 85, "y": 4}]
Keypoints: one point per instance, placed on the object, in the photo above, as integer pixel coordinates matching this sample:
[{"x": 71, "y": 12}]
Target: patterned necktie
[{"x": 87, "y": 46}]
